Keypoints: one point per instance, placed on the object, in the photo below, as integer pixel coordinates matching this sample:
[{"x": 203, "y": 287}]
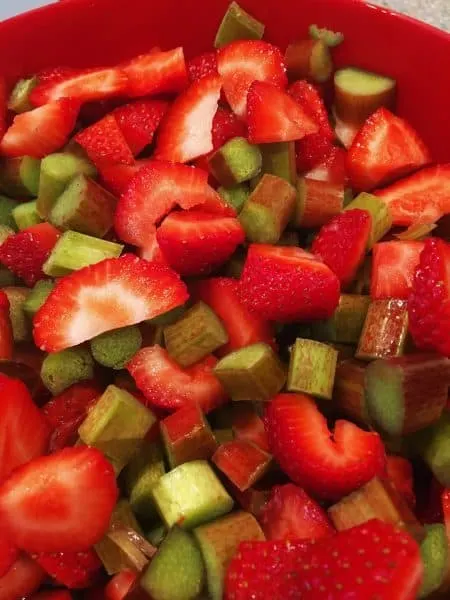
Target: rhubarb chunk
[
  {"x": 312, "y": 368},
  {"x": 435, "y": 553},
  {"x": 235, "y": 162},
  {"x": 381, "y": 218},
  {"x": 116, "y": 425},
  {"x": 308, "y": 59},
  {"x": 20, "y": 323},
  {"x": 19, "y": 100},
  {"x": 26, "y": 215},
  {"x": 349, "y": 390},
  {"x": 84, "y": 206},
  {"x": 279, "y": 159},
  {"x": 242, "y": 463},
  {"x": 62, "y": 369},
  {"x": 436, "y": 449},
  {"x": 251, "y": 373},
  {"x": 19, "y": 177},
  {"x": 268, "y": 210},
  {"x": 235, "y": 196},
  {"x": 385, "y": 330},
  {"x": 237, "y": 24},
  {"x": 317, "y": 202},
  {"x": 115, "y": 348},
  {"x": 196, "y": 335},
  {"x": 345, "y": 326},
  {"x": 408, "y": 393},
  {"x": 6, "y": 215}
]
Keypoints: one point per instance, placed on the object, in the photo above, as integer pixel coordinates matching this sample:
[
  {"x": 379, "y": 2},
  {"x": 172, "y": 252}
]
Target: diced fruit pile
[{"x": 224, "y": 331}]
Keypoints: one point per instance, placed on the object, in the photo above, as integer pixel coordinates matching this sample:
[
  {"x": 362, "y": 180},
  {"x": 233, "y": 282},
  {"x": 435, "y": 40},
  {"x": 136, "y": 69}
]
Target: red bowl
[{"x": 95, "y": 32}]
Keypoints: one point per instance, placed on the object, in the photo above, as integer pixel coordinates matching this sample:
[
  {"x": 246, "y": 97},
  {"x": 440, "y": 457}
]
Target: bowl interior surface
[{"x": 85, "y": 33}]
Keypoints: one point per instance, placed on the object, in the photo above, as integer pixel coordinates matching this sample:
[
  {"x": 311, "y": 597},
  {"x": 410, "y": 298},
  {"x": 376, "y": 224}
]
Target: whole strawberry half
[
  {"x": 74, "y": 570},
  {"x": 104, "y": 142},
  {"x": 156, "y": 73},
  {"x": 429, "y": 302},
  {"x": 393, "y": 268},
  {"x": 328, "y": 465}
]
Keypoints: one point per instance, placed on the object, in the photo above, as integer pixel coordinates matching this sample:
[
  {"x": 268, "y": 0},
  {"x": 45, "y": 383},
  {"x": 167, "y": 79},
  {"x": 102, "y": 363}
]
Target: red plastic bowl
[{"x": 96, "y": 32}]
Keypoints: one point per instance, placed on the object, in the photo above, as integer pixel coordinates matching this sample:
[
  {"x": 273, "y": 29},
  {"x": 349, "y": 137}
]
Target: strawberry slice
[
  {"x": 59, "y": 503},
  {"x": 3, "y": 106},
  {"x": 333, "y": 169},
  {"x": 74, "y": 570},
  {"x": 429, "y": 303},
  {"x": 8, "y": 556},
  {"x": 104, "y": 142},
  {"x": 328, "y": 465},
  {"x": 154, "y": 192},
  {"x": 385, "y": 148},
  {"x": 225, "y": 127},
  {"x": 393, "y": 267},
  {"x": 420, "y": 198},
  {"x": 446, "y": 510},
  {"x": 152, "y": 252},
  {"x": 120, "y": 585},
  {"x": 202, "y": 65},
  {"x": 399, "y": 471},
  {"x": 342, "y": 243},
  {"x": 24, "y": 432},
  {"x": 66, "y": 412},
  {"x": 84, "y": 86},
  {"x": 166, "y": 385},
  {"x": 308, "y": 97},
  {"x": 372, "y": 560},
  {"x": 156, "y": 73},
  {"x": 117, "y": 177},
  {"x": 291, "y": 514},
  {"x": 186, "y": 130},
  {"x": 139, "y": 122},
  {"x": 114, "y": 293},
  {"x": 6, "y": 331},
  {"x": 312, "y": 151},
  {"x": 22, "y": 579},
  {"x": 244, "y": 327},
  {"x": 196, "y": 242},
  {"x": 41, "y": 131},
  {"x": 273, "y": 116},
  {"x": 271, "y": 270},
  {"x": 245, "y": 61},
  {"x": 25, "y": 252}
]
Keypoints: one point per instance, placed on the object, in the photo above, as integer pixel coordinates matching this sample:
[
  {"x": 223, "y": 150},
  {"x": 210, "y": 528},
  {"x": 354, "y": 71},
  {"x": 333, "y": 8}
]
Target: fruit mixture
[{"x": 224, "y": 331}]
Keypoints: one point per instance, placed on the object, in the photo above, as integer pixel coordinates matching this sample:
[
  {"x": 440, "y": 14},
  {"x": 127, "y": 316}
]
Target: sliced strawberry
[
  {"x": 308, "y": 97},
  {"x": 53, "y": 595},
  {"x": 202, "y": 65},
  {"x": 270, "y": 271},
  {"x": 342, "y": 243},
  {"x": 139, "y": 122},
  {"x": 59, "y": 503},
  {"x": 84, "y": 86},
  {"x": 104, "y": 142},
  {"x": 154, "y": 192},
  {"x": 429, "y": 302},
  {"x": 196, "y": 242},
  {"x": 328, "y": 465},
  {"x": 113, "y": 293},
  {"x": 273, "y": 116},
  {"x": 245, "y": 61},
  {"x": 225, "y": 127},
  {"x": 8, "y": 555},
  {"x": 312, "y": 151},
  {"x": 291, "y": 514},
  {"x": 3, "y": 106},
  {"x": 41, "y": 131},
  {"x": 24, "y": 432},
  {"x": 25, "y": 252},
  {"x": 74, "y": 570},
  {"x": 385, "y": 148},
  {"x": 152, "y": 252},
  {"x": 166, "y": 385},
  {"x": 244, "y": 327},
  {"x": 371, "y": 561},
  {"x": 66, "y": 412},
  {"x": 22, "y": 579},
  {"x": 6, "y": 331},
  {"x": 120, "y": 585},
  {"x": 399, "y": 470},
  {"x": 420, "y": 198},
  {"x": 186, "y": 131},
  {"x": 117, "y": 177},
  {"x": 333, "y": 169},
  {"x": 393, "y": 267},
  {"x": 156, "y": 73},
  {"x": 446, "y": 510}
]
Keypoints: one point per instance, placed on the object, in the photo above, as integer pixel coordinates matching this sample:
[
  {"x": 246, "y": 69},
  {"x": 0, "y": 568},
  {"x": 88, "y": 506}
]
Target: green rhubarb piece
[
  {"x": 348, "y": 196},
  {"x": 176, "y": 572},
  {"x": 21, "y": 325},
  {"x": 223, "y": 435},
  {"x": 169, "y": 317},
  {"x": 416, "y": 232},
  {"x": 219, "y": 541},
  {"x": 5, "y": 232},
  {"x": 346, "y": 324},
  {"x": 6, "y": 215},
  {"x": 74, "y": 250},
  {"x": 37, "y": 297},
  {"x": 197, "y": 334},
  {"x": 235, "y": 196},
  {"x": 84, "y": 206},
  {"x": 407, "y": 394},
  {"x": 7, "y": 277},
  {"x": 237, "y": 24},
  {"x": 19, "y": 177},
  {"x": 235, "y": 162},
  {"x": 251, "y": 373},
  {"x": 436, "y": 450},
  {"x": 312, "y": 368},
  {"x": 434, "y": 551},
  {"x": 116, "y": 425},
  {"x": 385, "y": 330},
  {"x": 115, "y": 348},
  {"x": 279, "y": 159},
  {"x": 378, "y": 210},
  {"x": 191, "y": 495},
  {"x": 349, "y": 391},
  {"x": 142, "y": 472},
  {"x": 62, "y": 369},
  {"x": 57, "y": 170},
  {"x": 19, "y": 100},
  {"x": 317, "y": 202},
  {"x": 330, "y": 38},
  {"x": 26, "y": 215},
  {"x": 268, "y": 210},
  {"x": 156, "y": 535}
]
